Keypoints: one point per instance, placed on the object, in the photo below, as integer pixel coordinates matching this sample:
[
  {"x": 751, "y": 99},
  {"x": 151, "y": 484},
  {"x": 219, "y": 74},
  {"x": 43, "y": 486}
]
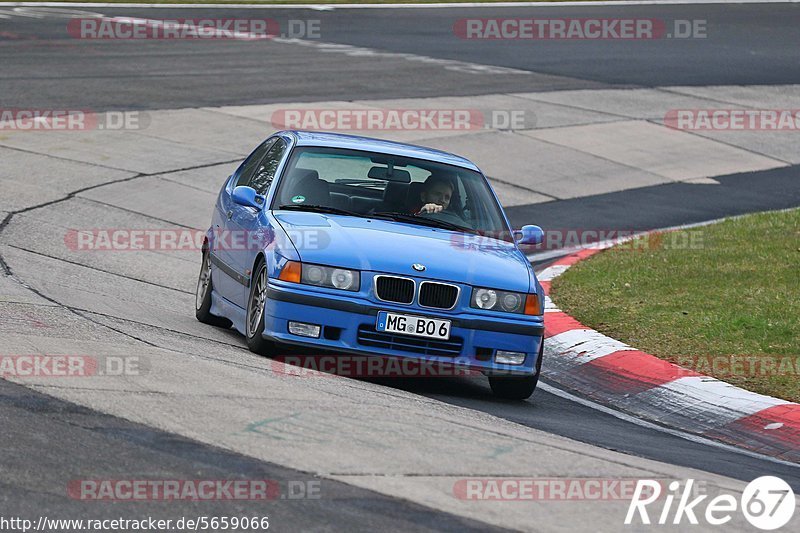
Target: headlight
[
  {"x": 343, "y": 279},
  {"x": 484, "y": 298},
  {"x": 336, "y": 278},
  {"x": 313, "y": 274},
  {"x": 511, "y": 302},
  {"x": 505, "y": 301}
]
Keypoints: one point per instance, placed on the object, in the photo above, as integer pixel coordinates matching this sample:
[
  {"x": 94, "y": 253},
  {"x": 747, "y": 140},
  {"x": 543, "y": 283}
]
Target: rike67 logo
[{"x": 767, "y": 503}]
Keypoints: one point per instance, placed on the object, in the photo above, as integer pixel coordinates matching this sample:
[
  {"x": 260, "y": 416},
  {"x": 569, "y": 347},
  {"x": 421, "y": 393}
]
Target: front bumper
[{"x": 348, "y": 326}]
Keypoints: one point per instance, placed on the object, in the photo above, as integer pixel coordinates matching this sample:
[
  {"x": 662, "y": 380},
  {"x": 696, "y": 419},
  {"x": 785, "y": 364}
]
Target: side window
[
  {"x": 250, "y": 164},
  {"x": 265, "y": 171}
]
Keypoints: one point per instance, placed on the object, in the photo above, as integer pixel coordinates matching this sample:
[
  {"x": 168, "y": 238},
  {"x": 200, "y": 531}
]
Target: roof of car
[{"x": 354, "y": 142}]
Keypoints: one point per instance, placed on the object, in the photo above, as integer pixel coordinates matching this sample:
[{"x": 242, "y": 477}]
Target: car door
[
  {"x": 228, "y": 279},
  {"x": 251, "y": 223}
]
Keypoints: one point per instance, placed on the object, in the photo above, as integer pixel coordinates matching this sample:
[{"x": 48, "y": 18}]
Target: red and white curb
[{"x": 613, "y": 373}]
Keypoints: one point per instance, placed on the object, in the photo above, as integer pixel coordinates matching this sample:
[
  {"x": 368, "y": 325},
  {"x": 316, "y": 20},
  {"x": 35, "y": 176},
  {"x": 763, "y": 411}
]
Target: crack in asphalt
[
  {"x": 723, "y": 142},
  {"x": 162, "y": 328},
  {"x": 60, "y": 158},
  {"x": 61, "y": 259},
  {"x": 193, "y": 187},
  {"x": 42, "y": 387},
  {"x": 650, "y": 120},
  {"x": 134, "y": 212},
  {"x": 524, "y": 188},
  {"x": 3, "y": 264},
  {"x": 8, "y": 271}
]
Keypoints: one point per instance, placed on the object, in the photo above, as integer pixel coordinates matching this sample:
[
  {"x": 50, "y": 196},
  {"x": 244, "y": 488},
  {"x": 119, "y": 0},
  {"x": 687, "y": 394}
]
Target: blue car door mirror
[
  {"x": 248, "y": 197},
  {"x": 529, "y": 234}
]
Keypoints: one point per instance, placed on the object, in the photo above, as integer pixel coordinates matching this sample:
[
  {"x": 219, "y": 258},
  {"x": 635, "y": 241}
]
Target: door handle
[{"x": 230, "y": 215}]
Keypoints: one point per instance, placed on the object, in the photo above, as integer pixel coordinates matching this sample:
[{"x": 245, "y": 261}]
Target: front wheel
[
  {"x": 255, "y": 312},
  {"x": 516, "y": 387},
  {"x": 202, "y": 298}
]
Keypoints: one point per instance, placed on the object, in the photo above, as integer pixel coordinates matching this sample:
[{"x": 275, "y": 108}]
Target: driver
[{"x": 435, "y": 195}]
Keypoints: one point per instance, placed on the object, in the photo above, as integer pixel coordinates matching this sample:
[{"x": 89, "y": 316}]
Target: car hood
[{"x": 392, "y": 247}]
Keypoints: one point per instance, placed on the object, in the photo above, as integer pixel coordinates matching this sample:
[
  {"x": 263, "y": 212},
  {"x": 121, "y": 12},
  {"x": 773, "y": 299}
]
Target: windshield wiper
[
  {"x": 320, "y": 209},
  {"x": 422, "y": 221}
]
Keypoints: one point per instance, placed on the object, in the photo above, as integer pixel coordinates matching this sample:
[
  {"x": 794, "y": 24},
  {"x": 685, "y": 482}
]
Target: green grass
[{"x": 730, "y": 291}]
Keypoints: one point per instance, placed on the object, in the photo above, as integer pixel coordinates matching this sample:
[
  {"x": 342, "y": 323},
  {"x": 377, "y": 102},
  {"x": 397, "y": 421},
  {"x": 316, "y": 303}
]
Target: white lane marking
[
  {"x": 16, "y": 12},
  {"x": 44, "y": 12},
  {"x": 329, "y": 7},
  {"x": 346, "y": 49},
  {"x": 584, "y": 345},
  {"x": 550, "y": 389},
  {"x": 227, "y": 34},
  {"x": 549, "y": 306},
  {"x": 552, "y": 272},
  {"x": 358, "y": 51},
  {"x": 709, "y": 398},
  {"x": 552, "y": 254}
]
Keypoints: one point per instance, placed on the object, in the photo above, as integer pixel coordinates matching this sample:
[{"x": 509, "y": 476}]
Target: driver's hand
[{"x": 431, "y": 208}]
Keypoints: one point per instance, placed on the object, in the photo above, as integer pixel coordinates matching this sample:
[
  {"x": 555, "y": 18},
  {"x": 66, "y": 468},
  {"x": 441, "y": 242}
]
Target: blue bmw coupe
[{"x": 362, "y": 246}]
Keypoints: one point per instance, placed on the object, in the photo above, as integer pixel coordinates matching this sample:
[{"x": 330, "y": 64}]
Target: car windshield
[{"x": 416, "y": 191}]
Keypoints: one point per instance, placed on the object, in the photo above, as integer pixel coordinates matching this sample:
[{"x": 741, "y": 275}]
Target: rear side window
[
  {"x": 250, "y": 164},
  {"x": 265, "y": 171}
]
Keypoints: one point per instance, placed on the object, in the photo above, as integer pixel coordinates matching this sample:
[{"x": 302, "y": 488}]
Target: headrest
[
  {"x": 395, "y": 195},
  {"x": 414, "y": 190},
  {"x": 308, "y": 185},
  {"x": 304, "y": 173}
]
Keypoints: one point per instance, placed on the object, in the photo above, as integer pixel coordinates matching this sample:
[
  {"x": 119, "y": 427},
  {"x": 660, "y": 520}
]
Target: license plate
[{"x": 432, "y": 328}]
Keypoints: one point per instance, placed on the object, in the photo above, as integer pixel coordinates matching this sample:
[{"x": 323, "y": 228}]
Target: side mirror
[
  {"x": 529, "y": 234},
  {"x": 248, "y": 197}
]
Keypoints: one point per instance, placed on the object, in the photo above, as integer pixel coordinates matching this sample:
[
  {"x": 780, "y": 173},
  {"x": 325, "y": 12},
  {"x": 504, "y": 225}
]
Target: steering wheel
[{"x": 445, "y": 216}]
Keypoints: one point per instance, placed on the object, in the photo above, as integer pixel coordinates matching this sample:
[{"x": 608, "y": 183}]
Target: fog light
[
  {"x": 509, "y": 358},
  {"x": 304, "y": 330}
]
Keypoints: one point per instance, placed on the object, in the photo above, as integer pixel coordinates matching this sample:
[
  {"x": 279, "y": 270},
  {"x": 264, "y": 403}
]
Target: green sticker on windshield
[{"x": 299, "y": 199}]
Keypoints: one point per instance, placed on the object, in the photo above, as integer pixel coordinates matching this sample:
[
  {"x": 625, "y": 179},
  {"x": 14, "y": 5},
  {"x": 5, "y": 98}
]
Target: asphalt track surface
[
  {"x": 113, "y": 448},
  {"x": 44, "y": 68}
]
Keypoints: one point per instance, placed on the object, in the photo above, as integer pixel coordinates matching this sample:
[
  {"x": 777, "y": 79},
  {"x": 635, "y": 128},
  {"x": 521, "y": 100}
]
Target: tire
[
  {"x": 517, "y": 388},
  {"x": 254, "y": 325},
  {"x": 202, "y": 297}
]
